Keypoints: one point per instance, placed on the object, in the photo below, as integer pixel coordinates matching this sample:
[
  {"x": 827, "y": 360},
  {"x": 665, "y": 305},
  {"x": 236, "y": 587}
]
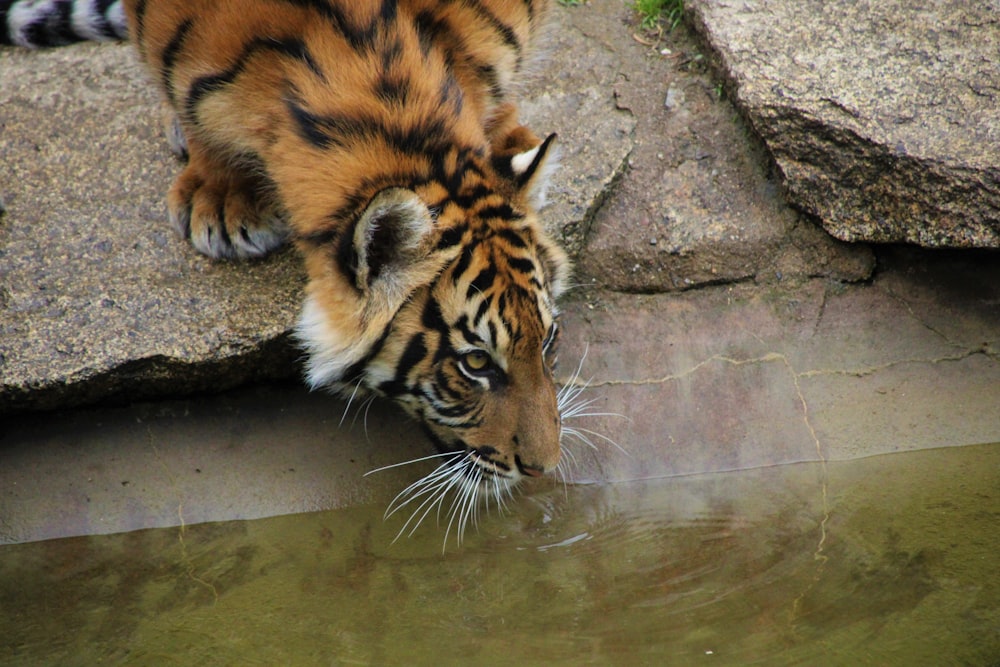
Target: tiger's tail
[{"x": 38, "y": 23}]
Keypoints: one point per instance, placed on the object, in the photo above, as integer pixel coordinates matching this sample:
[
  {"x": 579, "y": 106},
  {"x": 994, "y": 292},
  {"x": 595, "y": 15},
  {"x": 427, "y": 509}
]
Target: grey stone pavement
[{"x": 720, "y": 328}]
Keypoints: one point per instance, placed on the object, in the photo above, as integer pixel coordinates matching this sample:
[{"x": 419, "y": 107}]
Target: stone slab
[
  {"x": 100, "y": 299},
  {"x": 882, "y": 116}
]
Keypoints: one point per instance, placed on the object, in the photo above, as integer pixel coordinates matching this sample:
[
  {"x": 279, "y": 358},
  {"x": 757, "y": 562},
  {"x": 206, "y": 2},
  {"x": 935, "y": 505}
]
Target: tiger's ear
[
  {"x": 394, "y": 250},
  {"x": 531, "y": 170}
]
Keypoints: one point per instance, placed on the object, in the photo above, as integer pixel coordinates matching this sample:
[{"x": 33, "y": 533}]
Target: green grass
[{"x": 655, "y": 14}]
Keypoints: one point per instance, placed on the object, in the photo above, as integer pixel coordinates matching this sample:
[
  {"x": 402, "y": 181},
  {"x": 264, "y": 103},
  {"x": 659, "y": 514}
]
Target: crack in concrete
[
  {"x": 780, "y": 357},
  {"x": 909, "y": 310}
]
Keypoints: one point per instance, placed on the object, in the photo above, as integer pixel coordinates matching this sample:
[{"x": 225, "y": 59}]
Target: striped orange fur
[{"x": 381, "y": 138}]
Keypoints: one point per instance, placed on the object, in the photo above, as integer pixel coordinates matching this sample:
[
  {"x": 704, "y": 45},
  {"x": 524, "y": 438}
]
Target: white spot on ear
[
  {"x": 520, "y": 163},
  {"x": 539, "y": 186}
]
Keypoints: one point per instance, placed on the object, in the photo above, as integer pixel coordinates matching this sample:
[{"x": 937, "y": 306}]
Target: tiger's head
[{"x": 442, "y": 297}]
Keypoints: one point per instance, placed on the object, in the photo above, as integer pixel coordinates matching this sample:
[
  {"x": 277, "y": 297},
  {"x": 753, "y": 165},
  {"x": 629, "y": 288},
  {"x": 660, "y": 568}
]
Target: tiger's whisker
[
  {"x": 367, "y": 406},
  {"x": 426, "y": 487},
  {"x": 350, "y": 400},
  {"x": 463, "y": 506},
  {"x": 406, "y": 463},
  {"x": 435, "y": 486},
  {"x": 573, "y": 433},
  {"x": 580, "y": 431}
]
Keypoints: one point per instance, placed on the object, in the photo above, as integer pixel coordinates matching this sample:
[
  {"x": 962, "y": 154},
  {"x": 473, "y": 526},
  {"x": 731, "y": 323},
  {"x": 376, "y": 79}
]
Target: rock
[
  {"x": 574, "y": 98},
  {"x": 882, "y": 116},
  {"x": 101, "y": 300},
  {"x": 697, "y": 184}
]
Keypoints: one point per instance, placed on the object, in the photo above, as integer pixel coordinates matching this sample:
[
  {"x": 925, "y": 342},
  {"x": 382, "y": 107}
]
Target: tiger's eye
[{"x": 476, "y": 360}]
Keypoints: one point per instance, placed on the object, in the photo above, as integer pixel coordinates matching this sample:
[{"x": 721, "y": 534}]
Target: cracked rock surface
[{"x": 882, "y": 116}]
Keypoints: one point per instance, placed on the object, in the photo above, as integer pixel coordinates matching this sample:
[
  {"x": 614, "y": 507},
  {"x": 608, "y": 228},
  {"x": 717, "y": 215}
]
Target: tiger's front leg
[{"x": 226, "y": 212}]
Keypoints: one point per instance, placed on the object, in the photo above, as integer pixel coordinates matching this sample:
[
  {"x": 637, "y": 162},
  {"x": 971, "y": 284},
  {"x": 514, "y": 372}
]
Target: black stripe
[
  {"x": 463, "y": 261},
  {"x": 451, "y": 237},
  {"x": 169, "y": 57},
  {"x": 320, "y": 237},
  {"x": 392, "y": 90},
  {"x": 428, "y": 136},
  {"x": 521, "y": 264},
  {"x": 356, "y": 370},
  {"x": 223, "y": 231},
  {"x": 51, "y": 29},
  {"x": 458, "y": 410},
  {"x": 140, "y": 26},
  {"x": 512, "y": 237},
  {"x": 469, "y": 198},
  {"x": 292, "y": 47},
  {"x": 502, "y": 211},
  {"x": 361, "y": 38},
  {"x": 391, "y": 54},
  {"x": 482, "y": 282},
  {"x": 484, "y": 307},
  {"x": 429, "y": 28},
  {"x": 505, "y": 31},
  {"x": 415, "y": 352},
  {"x": 494, "y": 334},
  {"x": 470, "y": 336},
  {"x": 442, "y": 384},
  {"x": 488, "y": 74},
  {"x": 432, "y": 318},
  {"x": 310, "y": 126}
]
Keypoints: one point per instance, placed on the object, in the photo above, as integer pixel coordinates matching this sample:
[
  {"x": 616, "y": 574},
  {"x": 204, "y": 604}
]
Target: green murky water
[{"x": 891, "y": 560}]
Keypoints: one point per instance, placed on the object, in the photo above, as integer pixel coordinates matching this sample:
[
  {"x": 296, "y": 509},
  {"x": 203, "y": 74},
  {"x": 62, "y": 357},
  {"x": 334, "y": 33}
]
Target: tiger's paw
[{"x": 222, "y": 214}]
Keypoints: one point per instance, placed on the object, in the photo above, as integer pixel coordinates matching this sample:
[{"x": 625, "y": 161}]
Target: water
[{"x": 891, "y": 560}]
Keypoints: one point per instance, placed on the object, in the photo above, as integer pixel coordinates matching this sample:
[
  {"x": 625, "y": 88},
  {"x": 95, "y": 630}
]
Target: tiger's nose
[{"x": 529, "y": 470}]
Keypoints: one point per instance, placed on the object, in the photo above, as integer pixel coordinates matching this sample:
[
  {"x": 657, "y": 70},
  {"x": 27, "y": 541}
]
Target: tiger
[{"x": 380, "y": 138}]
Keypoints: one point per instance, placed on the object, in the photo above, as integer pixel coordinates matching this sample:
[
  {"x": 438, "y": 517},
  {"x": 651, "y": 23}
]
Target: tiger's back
[{"x": 380, "y": 137}]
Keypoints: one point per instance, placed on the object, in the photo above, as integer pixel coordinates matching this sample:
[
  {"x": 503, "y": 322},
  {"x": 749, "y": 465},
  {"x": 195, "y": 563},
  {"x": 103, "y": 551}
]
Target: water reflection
[{"x": 890, "y": 560}]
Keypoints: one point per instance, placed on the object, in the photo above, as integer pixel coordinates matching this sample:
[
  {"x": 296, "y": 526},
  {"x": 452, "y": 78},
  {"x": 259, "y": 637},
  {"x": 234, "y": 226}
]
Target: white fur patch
[
  {"x": 322, "y": 344},
  {"x": 87, "y": 21},
  {"x": 115, "y": 14},
  {"x": 330, "y": 352},
  {"x": 24, "y": 14},
  {"x": 520, "y": 162}
]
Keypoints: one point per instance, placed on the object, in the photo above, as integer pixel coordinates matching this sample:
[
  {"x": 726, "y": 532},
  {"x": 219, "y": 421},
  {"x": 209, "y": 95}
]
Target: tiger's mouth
[{"x": 485, "y": 457}]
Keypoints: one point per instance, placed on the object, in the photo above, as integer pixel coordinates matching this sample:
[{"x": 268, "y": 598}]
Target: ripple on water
[{"x": 890, "y": 560}]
